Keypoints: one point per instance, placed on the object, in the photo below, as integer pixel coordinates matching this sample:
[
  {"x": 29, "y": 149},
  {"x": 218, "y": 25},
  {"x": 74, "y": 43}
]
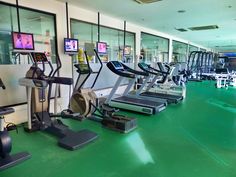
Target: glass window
[
  {"x": 87, "y": 32},
  {"x": 154, "y": 48},
  {"x": 203, "y": 50},
  {"x": 8, "y": 23},
  {"x": 192, "y": 48},
  {"x": 180, "y": 52},
  {"x": 43, "y": 27},
  {"x": 40, "y": 24}
]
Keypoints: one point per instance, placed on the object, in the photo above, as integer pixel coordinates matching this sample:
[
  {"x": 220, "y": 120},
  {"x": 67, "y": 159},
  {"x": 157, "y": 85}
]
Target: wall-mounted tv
[
  {"x": 71, "y": 46},
  {"x": 102, "y": 47},
  {"x": 23, "y": 41},
  {"x": 127, "y": 50}
]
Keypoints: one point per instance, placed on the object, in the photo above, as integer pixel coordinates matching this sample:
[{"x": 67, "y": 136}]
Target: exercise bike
[
  {"x": 7, "y": 160},
  {"x": 85, "y": 101}
]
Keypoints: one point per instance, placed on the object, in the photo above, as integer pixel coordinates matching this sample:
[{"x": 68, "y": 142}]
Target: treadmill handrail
[
  {"x": 150, "y": 70},
  {"x": 161, "y": 71},
  {"x": 141, "y": 73}
]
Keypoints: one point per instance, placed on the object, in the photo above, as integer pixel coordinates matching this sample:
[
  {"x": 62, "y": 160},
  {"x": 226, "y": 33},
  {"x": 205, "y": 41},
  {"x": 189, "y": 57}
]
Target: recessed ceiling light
[
  {"x": 181, "y": 11},
  {"x": 146, "y": 1}
]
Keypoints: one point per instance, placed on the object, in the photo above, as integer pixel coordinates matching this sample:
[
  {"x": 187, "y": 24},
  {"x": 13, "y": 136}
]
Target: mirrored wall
[
  {"x": 114, "y": 38},
  {"x": 154, "y": 48},
  {"x": 192, "y": 48},
  {"x": 180, "y": 52},
  {"x": 42, "y": 25}
]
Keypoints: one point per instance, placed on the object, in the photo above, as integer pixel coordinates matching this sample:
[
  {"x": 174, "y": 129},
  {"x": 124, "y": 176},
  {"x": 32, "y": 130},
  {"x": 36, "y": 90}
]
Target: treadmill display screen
[{"x": 117, "y": 65}]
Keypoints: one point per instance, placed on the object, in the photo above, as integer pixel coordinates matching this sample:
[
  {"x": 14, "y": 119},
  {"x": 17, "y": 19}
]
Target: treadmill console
[
  {"x": 39, "y": 57},
  {"x": 117, "y": 65},
  {"x": 143, "y": 65}
]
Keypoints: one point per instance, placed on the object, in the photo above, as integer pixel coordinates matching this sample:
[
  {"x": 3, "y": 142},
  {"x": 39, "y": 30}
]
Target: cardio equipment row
[{"x": 155, "y": 93}]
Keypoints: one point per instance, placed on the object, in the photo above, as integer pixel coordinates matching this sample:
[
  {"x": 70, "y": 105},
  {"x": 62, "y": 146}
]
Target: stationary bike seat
[{"x": 5, "y": 111}]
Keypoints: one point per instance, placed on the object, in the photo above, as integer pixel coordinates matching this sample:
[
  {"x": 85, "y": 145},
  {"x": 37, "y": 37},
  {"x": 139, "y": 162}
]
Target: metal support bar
[
  {"x": 67, "y": 20},
  {"x": 128, "y": 88},
  {"x": 143, "y": 85},
  {"x": 18, "y": 15},
  {"x": 98, "y": 27},
  {"x": 114, "y": 89}
]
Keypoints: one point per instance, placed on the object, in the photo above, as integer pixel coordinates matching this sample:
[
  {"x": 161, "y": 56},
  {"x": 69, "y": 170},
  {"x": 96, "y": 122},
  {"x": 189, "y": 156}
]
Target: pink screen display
[
  {"x": 23, "y": 41},
  {"x": 102, "y": 47}
]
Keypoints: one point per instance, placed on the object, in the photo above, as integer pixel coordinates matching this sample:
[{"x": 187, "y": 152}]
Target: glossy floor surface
[{"x": 196, "y": 138}]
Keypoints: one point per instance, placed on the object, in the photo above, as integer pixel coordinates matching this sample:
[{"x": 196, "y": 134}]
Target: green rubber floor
[{"x": 196, "y": 138}]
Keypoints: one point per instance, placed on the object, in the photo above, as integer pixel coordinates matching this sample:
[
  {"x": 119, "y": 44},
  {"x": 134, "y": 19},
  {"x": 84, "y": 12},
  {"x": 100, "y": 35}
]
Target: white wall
[{"x": 59, "y": 8}]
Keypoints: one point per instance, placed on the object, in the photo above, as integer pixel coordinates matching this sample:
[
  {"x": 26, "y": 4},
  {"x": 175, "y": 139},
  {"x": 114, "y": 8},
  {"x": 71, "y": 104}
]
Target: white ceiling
[{"x": 163, "y": 16}]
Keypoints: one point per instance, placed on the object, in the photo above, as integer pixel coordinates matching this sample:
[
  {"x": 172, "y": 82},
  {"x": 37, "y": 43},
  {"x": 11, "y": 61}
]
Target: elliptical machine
[
  {"x": 37, "y": 83},
  {"x": 85, "y": 101},
  {"x": 7, "y": 160}
]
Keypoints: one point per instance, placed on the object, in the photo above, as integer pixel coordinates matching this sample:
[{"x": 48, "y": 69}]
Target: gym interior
[{"x": 128, "y": 88}]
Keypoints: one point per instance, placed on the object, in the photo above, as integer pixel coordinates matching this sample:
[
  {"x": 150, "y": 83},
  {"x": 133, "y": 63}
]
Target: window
[
  {"x": 42, "y": 25},
  {"x": 154, "y": 48},
  {"x": 192, "y": 48},
  {"x": 8, "y": 23},
  {"x": 203, "y": 50},
  {"x": 180, "y": 52},
  {"x": 87, "y": 32}
]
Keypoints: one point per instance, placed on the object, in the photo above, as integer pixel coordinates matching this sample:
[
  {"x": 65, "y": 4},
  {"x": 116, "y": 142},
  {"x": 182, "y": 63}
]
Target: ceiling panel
[{"x": 164, "y": 16}]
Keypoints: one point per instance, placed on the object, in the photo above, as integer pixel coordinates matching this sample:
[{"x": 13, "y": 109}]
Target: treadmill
[
  {"x": 169, "y": 97},
  {"x": 127, "y": 101}
]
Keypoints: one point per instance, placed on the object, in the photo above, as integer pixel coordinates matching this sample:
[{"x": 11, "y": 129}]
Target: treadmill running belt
[
  {"x": 138, "y": 101},
  {"x": 170, "y": 98}
]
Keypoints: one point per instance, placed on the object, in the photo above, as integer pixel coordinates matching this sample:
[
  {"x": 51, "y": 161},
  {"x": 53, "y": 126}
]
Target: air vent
[
  {"x": 226, "y": 46},
  {"x": 181, "y": 29},
  {"x": 199, "y": 28},
  {"x": 146, "y": 1}
]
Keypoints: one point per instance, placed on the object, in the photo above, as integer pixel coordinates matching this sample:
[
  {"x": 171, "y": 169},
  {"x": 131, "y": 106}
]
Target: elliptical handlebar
[
  {"x": 58, "y": 62},
  {"x": 100, "y": 68}
]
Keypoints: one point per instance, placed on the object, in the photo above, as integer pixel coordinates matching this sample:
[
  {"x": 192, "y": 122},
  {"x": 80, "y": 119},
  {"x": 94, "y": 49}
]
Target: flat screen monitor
[
  {"x": 127, "y": 50},
  {"x": 71, "y": 46},
  {"x": 22, "y": 41},
  {"x": 102, "y": 47}
]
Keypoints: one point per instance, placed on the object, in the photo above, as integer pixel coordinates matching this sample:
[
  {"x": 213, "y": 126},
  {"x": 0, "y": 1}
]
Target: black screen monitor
[
  {"x": 71, "y": 46},
  {"x": 102, "y": 47},
  {"x": 22, "y": 41},
  {"x": 39, "y": 57}
]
